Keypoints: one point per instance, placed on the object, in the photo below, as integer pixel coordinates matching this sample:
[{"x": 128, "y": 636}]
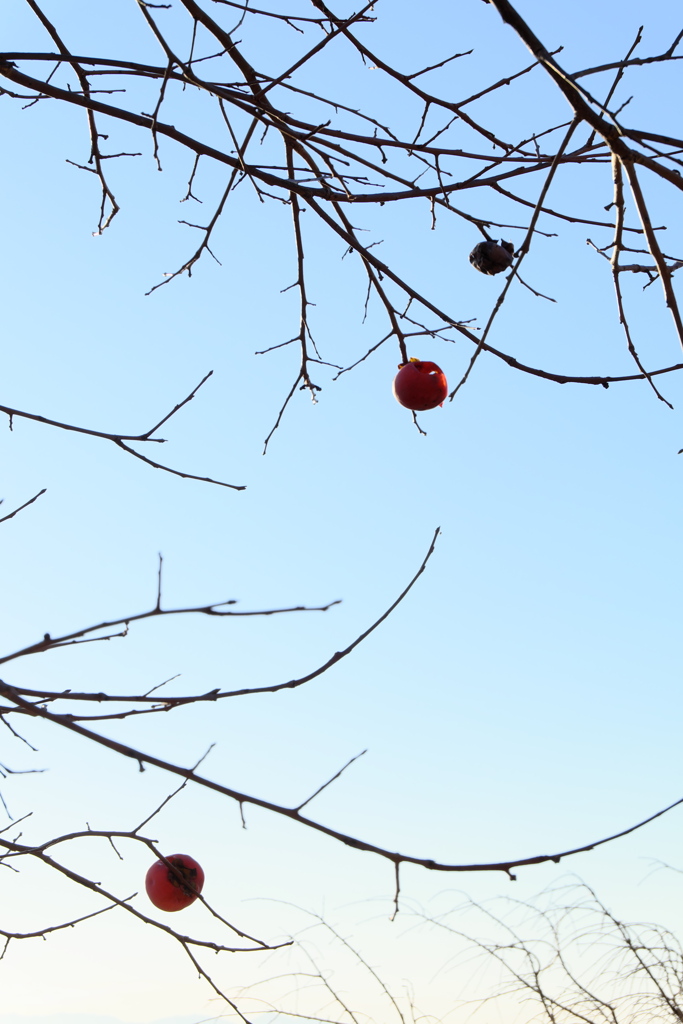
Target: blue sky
[{"x": 524, "y": 698}]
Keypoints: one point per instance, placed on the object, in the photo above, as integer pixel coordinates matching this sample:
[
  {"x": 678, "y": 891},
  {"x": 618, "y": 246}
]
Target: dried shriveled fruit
[{"x": 492, "y": 257}]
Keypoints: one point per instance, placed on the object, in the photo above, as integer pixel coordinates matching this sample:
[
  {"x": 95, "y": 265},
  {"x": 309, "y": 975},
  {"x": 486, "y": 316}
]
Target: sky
[{"x": 523, "y": 699}]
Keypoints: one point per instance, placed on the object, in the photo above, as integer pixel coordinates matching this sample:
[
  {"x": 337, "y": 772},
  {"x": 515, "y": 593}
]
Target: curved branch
[
  {"x": 49, "y": 643},
  {"x": 396, "y": 858}
]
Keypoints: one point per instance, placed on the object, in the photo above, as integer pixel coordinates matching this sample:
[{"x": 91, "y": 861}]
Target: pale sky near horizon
[
  {"x": 524, "y": 698},
  {"x": 85, "y": 1018}
]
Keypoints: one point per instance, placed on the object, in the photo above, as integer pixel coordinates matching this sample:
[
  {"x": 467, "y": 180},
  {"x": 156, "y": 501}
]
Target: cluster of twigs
[
  {"x": 568, "y": 958},
  {"x": 342, "y": 159},
  {"x": 562, "y": 958},
  {"x": 345, "y": 157},
  {"x": 67, "y": 709}
]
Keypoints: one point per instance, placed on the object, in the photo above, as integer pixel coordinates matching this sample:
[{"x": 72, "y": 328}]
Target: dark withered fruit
[{"x": 492, "y": 257}]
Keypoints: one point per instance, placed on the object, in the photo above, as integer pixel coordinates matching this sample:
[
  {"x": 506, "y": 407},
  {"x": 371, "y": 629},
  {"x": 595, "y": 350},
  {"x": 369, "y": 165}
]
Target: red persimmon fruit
[
  {"x": 175, "y": 887},
  {"x": 420, "y": 385}
]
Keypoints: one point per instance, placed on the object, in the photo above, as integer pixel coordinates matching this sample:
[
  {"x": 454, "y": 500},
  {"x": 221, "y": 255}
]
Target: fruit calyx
[{"x": 423, "y": 365}]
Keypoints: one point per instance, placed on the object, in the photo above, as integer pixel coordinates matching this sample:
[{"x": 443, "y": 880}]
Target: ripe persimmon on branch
[{"x": 12, "y": 851}]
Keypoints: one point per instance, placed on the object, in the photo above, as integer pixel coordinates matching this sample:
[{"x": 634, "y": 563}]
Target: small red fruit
[
  {"x": 174, "y": 888},
  {"x": 420, "y": 386}
]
